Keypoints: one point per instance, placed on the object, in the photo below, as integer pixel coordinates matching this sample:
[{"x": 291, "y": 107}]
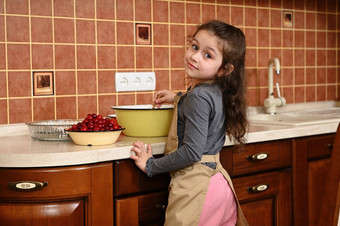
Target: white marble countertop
[{"x": 17, "y": 149}]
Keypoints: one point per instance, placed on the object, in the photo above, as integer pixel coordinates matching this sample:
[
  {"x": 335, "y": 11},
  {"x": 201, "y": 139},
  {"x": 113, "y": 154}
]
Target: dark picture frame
[
  {"x": 143, "y": 34},
  {"x": 287, "y": 19}
]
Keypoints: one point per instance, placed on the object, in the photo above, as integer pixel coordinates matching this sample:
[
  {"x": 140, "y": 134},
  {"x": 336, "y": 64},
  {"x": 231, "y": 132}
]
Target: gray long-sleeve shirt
[{"x": 200, "y": 130}]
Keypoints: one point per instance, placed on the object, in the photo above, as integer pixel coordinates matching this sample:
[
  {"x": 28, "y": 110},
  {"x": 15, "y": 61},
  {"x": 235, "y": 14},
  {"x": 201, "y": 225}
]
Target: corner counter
[{"x": 279, "y": 173}]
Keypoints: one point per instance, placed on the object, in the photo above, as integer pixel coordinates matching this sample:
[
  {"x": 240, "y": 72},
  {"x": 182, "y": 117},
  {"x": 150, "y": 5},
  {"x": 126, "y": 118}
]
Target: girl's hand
[
  {"x": 163, "y": 96},
  {"x": 142, "y": 155}
]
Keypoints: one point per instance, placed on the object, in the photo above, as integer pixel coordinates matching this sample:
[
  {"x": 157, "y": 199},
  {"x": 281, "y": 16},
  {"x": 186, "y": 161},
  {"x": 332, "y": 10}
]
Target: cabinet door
[
  {"x": 265, "y": 198},
  {"x": 311, "y": 158},
  {"x": 317, "y": 170},
  {"x": 77, "y": 195},
  {"x": 148, "y": 209},
  {"x": 128, "y": 179}
]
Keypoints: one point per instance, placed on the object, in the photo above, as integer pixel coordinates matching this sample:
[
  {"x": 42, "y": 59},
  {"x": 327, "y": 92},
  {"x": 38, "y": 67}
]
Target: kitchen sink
[
  {"x": 298, "y": 118},
  {"x": 333, "y": 112}
]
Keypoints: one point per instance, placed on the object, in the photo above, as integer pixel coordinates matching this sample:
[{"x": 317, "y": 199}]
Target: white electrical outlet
[{"x": 135, "y": 81}]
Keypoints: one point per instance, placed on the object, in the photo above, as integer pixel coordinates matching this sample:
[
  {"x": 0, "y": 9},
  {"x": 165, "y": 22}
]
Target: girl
[{"x": 201, "y": 191}]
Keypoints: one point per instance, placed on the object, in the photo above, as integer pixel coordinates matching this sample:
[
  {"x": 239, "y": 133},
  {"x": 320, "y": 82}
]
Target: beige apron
[{"x": 188, "y": 186}]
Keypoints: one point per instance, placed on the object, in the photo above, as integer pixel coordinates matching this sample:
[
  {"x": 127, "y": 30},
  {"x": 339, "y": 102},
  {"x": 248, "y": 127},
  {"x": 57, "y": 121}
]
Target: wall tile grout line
[
  {"x": 53, "y": 62},
  {"x": 6, "y": 63},
  {"x": 75, "y": 53},
  {"x": 97, "y": 58}
]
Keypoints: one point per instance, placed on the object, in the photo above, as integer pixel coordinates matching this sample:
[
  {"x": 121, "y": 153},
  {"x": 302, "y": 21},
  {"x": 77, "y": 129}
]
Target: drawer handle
[
  {"x": 330, "y": 146},
  {"x": 27, "y": 185},
  {"x": 258, "y": 157},
  {"x": 258, "y": 188},
  {"x": 161, "y": 206}
]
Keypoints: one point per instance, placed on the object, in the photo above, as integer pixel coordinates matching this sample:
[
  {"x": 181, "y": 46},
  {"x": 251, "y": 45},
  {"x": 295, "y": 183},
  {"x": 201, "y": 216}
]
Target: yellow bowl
[
  {"x": 144, "y": 120},
  {"x": 94, "y": 138}
]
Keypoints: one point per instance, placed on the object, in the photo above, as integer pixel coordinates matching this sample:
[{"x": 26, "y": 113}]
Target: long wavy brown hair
[{"x": 233, "y": 85}]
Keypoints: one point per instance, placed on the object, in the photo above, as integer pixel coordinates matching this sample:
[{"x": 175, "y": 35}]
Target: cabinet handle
[
  {"x": 27, "y": 185},
  {"x": 161, "y": 206},
  {"x": 258, "y": 188},
  {"x": 330, "y": 146},
  {"x": 258, "y": 157}
]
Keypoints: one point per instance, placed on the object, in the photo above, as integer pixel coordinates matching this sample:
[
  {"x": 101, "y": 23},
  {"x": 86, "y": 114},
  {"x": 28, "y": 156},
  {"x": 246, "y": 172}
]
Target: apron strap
[
  {"x": 172, "y": 142},
  {"x": 210, "y": 158}
]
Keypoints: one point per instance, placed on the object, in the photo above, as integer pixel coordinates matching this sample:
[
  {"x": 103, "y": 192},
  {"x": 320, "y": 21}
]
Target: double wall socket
[{"x": 135, "y": 81}]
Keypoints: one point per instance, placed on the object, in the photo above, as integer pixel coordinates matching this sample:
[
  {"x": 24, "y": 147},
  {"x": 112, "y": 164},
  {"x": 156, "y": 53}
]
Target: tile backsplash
[{"x": 85, "y": 42}]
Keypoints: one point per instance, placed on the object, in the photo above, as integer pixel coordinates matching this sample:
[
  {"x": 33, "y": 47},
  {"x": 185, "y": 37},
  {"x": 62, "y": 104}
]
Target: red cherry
[
  {"x": 96, "y": 128},
  {"x": 114, "y": 121},
  {"x": 79, "y": 125},
  {"x": 84, "y": 128},
  {"x": 94, "y": 122}
]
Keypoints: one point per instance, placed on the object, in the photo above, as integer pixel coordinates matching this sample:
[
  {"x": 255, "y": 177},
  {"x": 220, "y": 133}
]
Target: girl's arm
[
  {"x": 193, "y": 146},
  {"x": 141, "y": 154}
]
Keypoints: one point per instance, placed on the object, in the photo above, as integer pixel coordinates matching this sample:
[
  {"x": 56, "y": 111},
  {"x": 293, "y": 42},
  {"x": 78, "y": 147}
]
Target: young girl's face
[{"x": 203, "y": 58}]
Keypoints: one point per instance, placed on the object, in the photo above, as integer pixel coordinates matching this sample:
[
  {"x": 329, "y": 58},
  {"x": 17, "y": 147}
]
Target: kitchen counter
[{"x": 19, "y": 150}]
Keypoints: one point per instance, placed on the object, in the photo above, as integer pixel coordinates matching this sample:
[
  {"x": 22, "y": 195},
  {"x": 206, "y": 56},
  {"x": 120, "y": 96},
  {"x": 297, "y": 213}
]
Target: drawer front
[
  {"x": 61, "y": 181},
  {"x": 129, "y": 179},
  {"x": 320, "y": 146},
  {"x": 254, "y": 187},
  {"x": 146, "y": 209},
  {"x": 41, "y": 214},
  {"x": 265, "y": 198},
  {"x": 259, "y": 157}
]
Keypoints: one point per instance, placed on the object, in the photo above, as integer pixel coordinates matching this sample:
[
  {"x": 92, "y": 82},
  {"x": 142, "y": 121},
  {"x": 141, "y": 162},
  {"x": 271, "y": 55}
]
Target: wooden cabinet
[
  {"x": 77, "y": 195},
  {"x": 261, "y": 175},
  {"x": 139, "y": 199},
  {"x": 129, "y": 180},
  {"x": 311, "y": 158},
  {"x": 262, "y": 179},
  {"x": 277, "y": 183}
]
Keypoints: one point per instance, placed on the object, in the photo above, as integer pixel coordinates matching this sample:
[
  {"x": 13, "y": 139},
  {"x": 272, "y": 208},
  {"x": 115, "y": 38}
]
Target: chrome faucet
[{"x": 271, "y": 103}]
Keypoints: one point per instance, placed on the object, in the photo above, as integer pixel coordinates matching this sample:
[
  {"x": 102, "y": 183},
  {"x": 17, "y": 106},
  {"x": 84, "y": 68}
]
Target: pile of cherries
[{"x": 94, "y": 122}]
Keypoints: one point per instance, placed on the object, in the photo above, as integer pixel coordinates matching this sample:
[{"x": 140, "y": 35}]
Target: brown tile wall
[{"x": 84, "y": 42}]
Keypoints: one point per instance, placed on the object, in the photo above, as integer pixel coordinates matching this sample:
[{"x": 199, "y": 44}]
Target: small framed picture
[
  {"x": 143, "y": 34},
  {"x": 287, "y": 19},
  {"x": 43, "y": 83}
]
